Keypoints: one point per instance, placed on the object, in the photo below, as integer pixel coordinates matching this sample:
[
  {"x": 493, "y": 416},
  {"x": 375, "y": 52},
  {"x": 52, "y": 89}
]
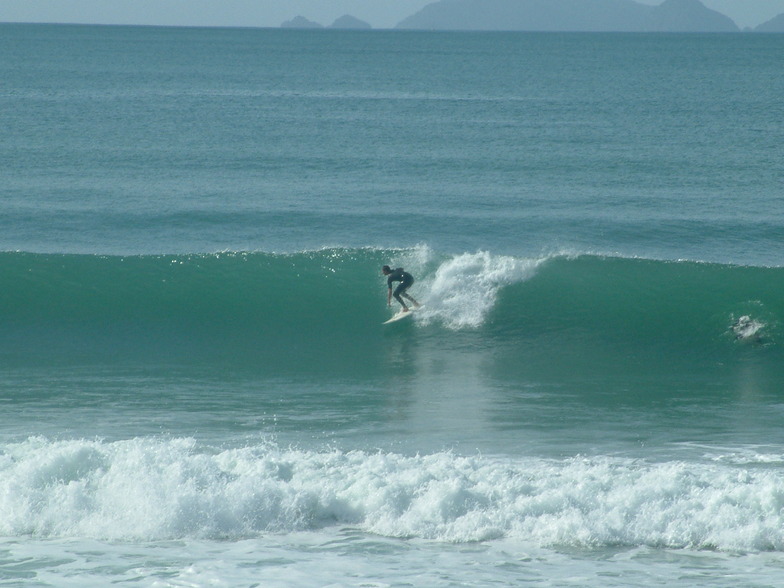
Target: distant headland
[{"x": 675, "y": 16}]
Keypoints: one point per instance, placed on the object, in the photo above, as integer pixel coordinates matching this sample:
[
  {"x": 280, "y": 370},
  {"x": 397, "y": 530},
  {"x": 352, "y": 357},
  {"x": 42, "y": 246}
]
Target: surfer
[{"x": 405, "y": 279}]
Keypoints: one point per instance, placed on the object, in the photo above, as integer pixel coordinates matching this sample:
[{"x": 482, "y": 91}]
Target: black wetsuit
[{"x": 405, "y": 280}]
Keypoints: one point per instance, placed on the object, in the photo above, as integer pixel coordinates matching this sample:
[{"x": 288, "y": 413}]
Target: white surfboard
[{"x": 400, "y": 315}]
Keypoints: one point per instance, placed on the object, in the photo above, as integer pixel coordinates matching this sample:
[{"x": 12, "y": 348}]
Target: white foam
[
  {"x": 464, "y": 288},
  {"x": 153, "y": 489},
  {"x": 747, "y": 328}
]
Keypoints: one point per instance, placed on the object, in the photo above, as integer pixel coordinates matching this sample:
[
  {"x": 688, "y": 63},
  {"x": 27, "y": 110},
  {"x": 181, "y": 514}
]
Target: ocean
[{"x": 195, "y": 382}]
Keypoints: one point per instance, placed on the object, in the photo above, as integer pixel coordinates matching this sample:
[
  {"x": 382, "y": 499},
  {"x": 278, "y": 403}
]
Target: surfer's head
[{"x": 386, "y": 270}]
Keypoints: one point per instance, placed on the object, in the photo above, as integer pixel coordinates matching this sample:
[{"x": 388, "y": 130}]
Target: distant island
[
  {"x": 344, "y": 22},
  {"x": 569, "y": 15},
  {"x": 300, "y": 22},
  {"x": 349, "y": 22},
  {"x": 559, "y": 15}
]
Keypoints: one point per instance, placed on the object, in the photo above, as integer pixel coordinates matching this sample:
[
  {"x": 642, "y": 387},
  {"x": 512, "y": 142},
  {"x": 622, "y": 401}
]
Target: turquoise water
[{"x": 196, "y": 385}]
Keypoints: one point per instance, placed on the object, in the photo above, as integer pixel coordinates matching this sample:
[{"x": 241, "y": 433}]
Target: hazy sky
[{"x": 271, "y": 13}]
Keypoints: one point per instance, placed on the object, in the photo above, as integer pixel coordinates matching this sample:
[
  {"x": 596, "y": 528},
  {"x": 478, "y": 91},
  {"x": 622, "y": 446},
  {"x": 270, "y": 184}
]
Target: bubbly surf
[{"x": 158, "y": 489}]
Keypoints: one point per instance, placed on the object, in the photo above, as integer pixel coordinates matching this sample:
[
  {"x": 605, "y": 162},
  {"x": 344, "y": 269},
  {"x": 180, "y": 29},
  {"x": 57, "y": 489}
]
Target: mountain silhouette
[
  {"x": 300, "y": 22},
  {"x": 569, "y": 15},
  {"x": 774, "y": 25},
  {"x": 349, "y": 22}
]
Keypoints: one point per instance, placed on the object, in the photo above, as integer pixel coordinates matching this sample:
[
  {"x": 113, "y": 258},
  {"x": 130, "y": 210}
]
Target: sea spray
[
  {"x": 464, "y": 288},
  {"x": 157, "y": 489}
]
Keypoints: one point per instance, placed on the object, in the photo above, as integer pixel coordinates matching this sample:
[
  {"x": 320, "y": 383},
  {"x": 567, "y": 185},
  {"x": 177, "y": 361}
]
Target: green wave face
[{"x": 322, "y": 310}]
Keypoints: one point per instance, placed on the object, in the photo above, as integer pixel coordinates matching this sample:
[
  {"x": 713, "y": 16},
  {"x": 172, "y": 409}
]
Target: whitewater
[
  {"x": 97, "y": 489},
  {"x": 196, "y": 385}
]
